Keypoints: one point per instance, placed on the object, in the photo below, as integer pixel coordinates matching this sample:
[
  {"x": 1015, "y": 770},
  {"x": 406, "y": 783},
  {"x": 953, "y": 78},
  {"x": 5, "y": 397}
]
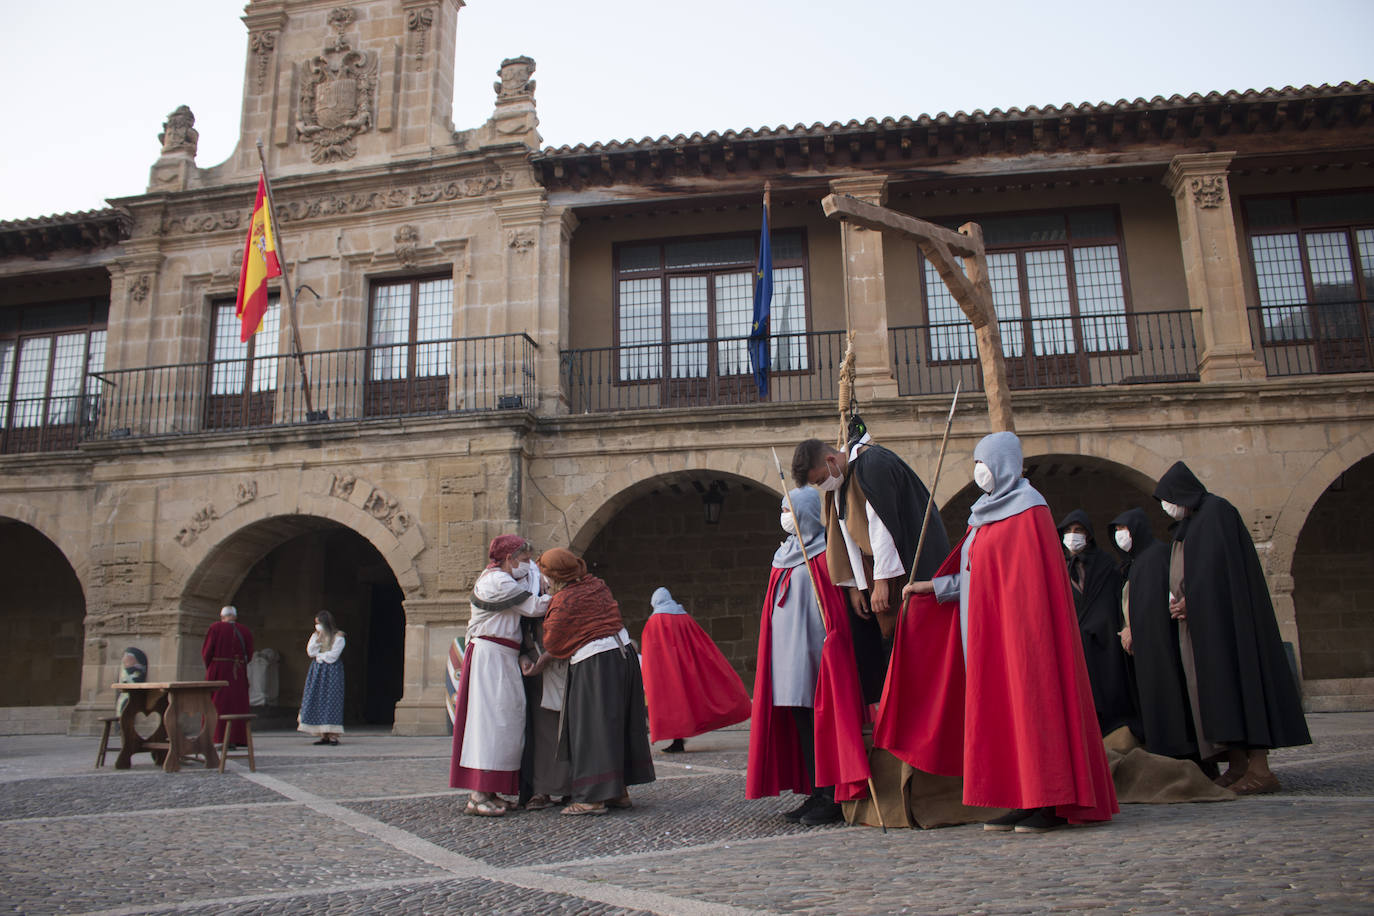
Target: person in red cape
[
  {"x": 806, "y": 734},
  {"x": 689, "y": 686},
  {"x": 227, "y": 648},
  {"x": 988, "y": 680}
]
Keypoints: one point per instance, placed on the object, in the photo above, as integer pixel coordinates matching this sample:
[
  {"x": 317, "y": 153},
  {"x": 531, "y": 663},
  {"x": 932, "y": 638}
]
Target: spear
[
  {"x": 939, "y": 463},
  {"x": 820, "y": 605}
]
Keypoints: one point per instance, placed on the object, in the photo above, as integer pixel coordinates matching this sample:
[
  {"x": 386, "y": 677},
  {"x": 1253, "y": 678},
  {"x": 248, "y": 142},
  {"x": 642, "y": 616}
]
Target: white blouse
[{"x": 329, "y": 657}]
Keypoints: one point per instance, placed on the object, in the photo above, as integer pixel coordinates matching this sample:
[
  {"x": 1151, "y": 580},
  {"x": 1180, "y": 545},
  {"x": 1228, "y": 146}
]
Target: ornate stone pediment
[{"x": 337, "y": 91}]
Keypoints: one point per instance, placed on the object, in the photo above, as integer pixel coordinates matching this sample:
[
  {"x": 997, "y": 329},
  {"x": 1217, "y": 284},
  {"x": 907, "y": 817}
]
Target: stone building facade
[{"x": 493, "y": 336}]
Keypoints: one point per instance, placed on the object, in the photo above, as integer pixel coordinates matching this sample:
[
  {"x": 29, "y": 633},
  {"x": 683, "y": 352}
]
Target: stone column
[
  {"x": 431, "y": 625},
  {"x": 1211, "y": 264},
  {"x": 865, "y": 286}
]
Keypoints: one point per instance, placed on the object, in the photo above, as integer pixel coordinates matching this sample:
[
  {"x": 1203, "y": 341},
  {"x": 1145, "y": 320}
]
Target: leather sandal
[
  {"x": 1229, "y": 778},
  {"x": 579, "y": 808},
  {"x": 538, "y": 803},
  {"x": 484, "y": 809},
  {"x": 621, "y": 802},
  {"x": 1256, "y": 785}
]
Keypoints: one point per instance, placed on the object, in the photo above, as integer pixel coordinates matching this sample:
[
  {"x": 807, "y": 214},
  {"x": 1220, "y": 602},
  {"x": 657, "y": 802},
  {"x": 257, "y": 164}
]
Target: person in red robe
[
  {"x": 227, "y": 648},
  {"x": 988, "y": 680},
  {"x": 689, "y": 686},
  {"x": 806, "y": 732}
]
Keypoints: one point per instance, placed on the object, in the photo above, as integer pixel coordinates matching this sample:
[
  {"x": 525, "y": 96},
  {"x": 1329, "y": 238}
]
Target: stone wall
[{"x": 719, "y": 573}]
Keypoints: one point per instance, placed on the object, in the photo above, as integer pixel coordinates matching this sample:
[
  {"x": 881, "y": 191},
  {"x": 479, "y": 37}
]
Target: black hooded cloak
[
  {"x": 899, "y": 498},
  {"x": 1162, "y": 691},
  {"x": 1246, "y": 690},
  {"x": 1099, "y": 615}
]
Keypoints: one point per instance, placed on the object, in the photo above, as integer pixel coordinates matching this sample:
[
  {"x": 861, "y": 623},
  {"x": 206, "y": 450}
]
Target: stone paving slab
[
  {"x": 669, "y": 814},
  {"x": 118, "y": 860},
  {"x": 366, "y": 777},
  {"x": 1174, "y": 858},
  {"x": 115, "y": 790},
  {"x": 427, "y": 898}
]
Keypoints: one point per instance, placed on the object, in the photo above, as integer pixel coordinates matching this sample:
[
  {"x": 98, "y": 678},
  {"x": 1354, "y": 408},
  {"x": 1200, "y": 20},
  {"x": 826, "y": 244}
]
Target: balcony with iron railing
[
  {"x": 318, "y": 388},
  {"x": 1314, "y": 338}
]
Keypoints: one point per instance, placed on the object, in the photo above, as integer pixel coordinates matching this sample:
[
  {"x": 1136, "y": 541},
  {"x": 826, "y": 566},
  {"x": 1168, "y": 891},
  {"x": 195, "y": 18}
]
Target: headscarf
[
  {"x": 807, "y": 503},
  {"x": 1011, "y": 493},
  {"x": 562, "y": 565},
  {"x": 135, "y": 674},
  {"x": 502, "y": 547},
  {"x": 663, "y": 603}
]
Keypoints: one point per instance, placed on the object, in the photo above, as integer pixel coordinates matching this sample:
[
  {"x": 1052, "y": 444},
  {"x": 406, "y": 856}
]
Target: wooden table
[{"x": 178, "y": 718}]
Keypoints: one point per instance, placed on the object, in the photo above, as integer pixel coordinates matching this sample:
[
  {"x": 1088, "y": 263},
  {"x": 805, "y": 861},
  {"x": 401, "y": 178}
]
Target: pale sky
[{"x": 89, "y": 82}]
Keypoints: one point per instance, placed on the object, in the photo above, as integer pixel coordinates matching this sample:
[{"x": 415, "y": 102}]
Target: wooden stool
[
  {"x": 229, "y": 720},
  {"x": 110, "y": 722}
]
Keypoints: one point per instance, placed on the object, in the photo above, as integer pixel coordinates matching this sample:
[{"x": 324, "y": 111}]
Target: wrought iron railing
[
  {"x": 455, "y": 376},
  {"x": 1313, "y": 338},
  {"x": 700, "y": 373},
  {"x": 1122, "y": 349}
]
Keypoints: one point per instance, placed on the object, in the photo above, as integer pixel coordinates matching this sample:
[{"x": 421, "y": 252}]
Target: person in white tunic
[{"x": 489, "y": 714}]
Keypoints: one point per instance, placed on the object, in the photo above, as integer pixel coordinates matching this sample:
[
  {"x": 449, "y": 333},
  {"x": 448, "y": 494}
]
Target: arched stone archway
[
  {"x": 1332, "y": 592},
  {"x": 655, "y": 533},
  {"x": 601, "y": 500},
  {"x": 282, "y": 570},
  {"x": 42, "y": 625}
]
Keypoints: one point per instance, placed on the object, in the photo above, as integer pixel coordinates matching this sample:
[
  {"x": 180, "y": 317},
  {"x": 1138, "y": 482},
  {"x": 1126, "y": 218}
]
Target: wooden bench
[{"x": 229, "y": 719}]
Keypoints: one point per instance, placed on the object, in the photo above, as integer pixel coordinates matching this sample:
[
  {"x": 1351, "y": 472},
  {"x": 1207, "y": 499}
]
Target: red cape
[
  {"x": 775, "y": 763},
  {"x": 689, "y": 686},
  {"x": 1020, "y": 728},
  {"x": 223, "y": 641}
]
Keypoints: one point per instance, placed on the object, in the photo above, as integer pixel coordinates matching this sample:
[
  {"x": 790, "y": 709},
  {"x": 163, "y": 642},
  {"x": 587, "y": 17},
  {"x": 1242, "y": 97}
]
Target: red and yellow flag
[{"x": 259, "y": 263}]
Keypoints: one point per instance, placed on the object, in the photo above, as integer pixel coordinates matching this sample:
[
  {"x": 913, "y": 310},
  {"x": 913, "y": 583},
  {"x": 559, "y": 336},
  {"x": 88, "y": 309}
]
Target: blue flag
[{"x": 763, "y": 300}]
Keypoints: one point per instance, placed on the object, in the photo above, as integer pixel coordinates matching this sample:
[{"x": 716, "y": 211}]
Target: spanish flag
[{"x": 259, "y": 263}]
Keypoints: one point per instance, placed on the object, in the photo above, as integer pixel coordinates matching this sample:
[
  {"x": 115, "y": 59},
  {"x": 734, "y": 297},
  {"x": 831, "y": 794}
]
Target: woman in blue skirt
[{"x": 323, "y": 701}]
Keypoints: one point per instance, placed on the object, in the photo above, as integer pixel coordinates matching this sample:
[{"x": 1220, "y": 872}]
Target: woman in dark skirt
[
  {"x": 605, "y": 734},
  {"x": 323, "y": 701}
]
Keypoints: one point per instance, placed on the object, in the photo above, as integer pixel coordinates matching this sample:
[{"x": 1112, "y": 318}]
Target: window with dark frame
[
  {"x": 674, "y": 297},
  {"x": 1313, "y": 258},
  {"x": 243, "y": 374},
  {"x": 1057, "y": 280},
  {"x": 50, "y": 359},
  {"x": 410, "y": 348}
]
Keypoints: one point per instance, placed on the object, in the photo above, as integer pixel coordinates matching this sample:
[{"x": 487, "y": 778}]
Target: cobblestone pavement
[{"x": 370, "y": 826}]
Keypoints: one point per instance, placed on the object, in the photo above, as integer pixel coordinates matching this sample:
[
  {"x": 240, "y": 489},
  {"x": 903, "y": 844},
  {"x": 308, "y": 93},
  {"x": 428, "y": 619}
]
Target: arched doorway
[
  {"x": 279, "y": 573},
  {"x": 1333, "y": 592},
  {"x": 42, "y": 620},
  {"x": 1103, "y": 489},
  {"x": 657, "y": 533}
]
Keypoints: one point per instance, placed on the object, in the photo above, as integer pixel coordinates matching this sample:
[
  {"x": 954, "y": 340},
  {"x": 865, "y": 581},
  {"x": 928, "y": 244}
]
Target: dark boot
[{"x": 677, "y": 747}]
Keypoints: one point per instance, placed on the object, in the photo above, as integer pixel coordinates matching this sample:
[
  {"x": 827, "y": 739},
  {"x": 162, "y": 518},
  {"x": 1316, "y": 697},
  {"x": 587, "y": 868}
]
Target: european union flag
[{"x": 763, "y": 300}]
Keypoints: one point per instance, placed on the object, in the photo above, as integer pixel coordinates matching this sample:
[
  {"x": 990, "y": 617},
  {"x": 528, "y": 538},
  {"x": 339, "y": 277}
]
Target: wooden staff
[
  {"x": 939, "y": 463},
  {"x": 820, "y": 606}
]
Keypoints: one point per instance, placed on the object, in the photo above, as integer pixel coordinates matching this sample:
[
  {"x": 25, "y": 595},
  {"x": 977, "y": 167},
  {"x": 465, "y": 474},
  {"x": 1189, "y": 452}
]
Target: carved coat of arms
[{"x": 337, "y": 91}]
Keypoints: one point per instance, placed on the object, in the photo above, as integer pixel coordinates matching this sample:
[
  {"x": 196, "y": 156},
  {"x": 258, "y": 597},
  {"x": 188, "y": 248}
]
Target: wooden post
[{"x": 968, "y": 285}]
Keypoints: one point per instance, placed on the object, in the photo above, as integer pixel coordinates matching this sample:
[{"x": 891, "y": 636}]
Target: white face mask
[
  {"x": 1175, "y": 511},
  {"x": 1075, "y": 542},
  {"x": 1123, "y": 539},
  {"x": 982, "y": 476},
  {"x": 788, "y": 524}
]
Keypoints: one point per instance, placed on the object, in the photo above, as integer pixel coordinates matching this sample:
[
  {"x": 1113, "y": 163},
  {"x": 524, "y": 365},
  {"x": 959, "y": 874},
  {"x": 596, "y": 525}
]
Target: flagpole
[{"x": 290, "y": 290}]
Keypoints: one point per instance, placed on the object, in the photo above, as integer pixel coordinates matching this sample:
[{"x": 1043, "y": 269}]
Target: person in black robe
[
  {"x": 1151, "y": 639},
  {"x": 1097, "y": 599},
  {"x": 1241, "y": 688},
  {"x": 862, "y": 477}
]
